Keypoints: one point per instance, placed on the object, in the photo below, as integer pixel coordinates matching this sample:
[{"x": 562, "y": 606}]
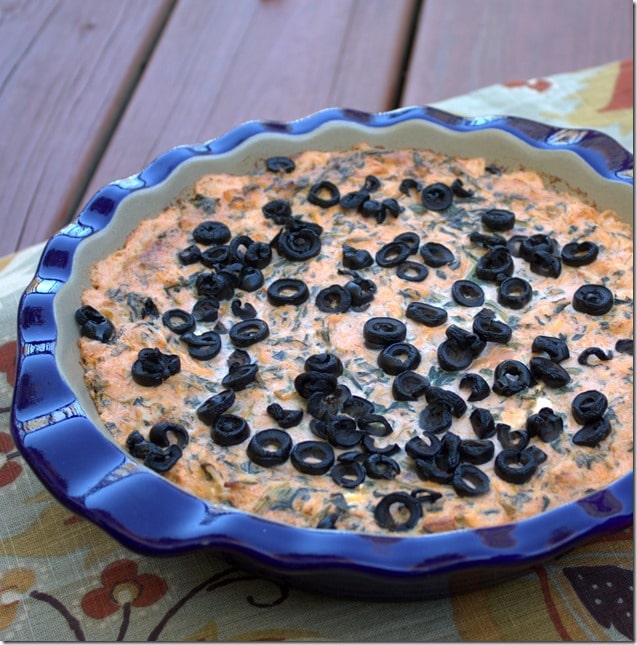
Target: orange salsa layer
[{"x": 149, "y": 266}]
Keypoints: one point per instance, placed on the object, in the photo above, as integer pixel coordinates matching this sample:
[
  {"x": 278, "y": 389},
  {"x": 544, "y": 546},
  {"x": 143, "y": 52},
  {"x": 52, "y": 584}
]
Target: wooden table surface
[{"x": 91, "y": 91}]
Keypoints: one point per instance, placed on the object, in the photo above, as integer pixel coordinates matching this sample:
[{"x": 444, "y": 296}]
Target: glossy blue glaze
[{"x": 97, "y": 480}]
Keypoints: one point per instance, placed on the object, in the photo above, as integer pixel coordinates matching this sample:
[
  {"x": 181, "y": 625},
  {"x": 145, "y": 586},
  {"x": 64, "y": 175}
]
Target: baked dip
[{"x": 370, "y": 340}]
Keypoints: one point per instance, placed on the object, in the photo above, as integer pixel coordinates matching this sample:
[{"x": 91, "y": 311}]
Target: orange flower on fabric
[
  {"x": 9, "y": 468},
  {"x": 14, "y": 583},
  {"x": 122, "y": 585}
]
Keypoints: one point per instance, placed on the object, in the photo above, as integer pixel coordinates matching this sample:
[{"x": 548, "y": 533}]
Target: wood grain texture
[
  {"x": 463, "y": 45},
  {"x": 66, "y": 68},
  {"x": 221, "y": 63}
]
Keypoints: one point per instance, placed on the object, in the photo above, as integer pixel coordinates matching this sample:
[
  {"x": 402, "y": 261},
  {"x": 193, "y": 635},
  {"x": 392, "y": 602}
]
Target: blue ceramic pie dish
[{"x": 56, "y": 428}]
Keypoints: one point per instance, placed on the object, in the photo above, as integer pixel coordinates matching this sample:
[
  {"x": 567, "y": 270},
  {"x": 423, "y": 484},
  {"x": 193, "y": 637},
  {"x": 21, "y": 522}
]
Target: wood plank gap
[
  {"x": 404, "y": 66},
  {"x": 109, "y": 132}
]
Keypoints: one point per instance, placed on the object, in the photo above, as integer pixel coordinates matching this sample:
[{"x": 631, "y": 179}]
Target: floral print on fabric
[{"x": 14, "y": 584}]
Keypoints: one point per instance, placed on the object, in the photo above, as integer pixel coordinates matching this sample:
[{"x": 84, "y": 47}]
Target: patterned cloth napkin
[{"x": 61, "y": 578}]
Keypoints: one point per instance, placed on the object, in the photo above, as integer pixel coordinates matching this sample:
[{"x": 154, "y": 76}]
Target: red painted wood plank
[
  {"x": 65, "y": 70},
  {"x": 463, "y": 45},
  {"x": 221, "y": 63}
]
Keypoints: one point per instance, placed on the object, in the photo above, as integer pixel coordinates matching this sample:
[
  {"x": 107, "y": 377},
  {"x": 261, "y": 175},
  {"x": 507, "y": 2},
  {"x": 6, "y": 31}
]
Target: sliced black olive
[
  {"x": 485, "y": 241},
  {"x": 538, "y": 454},
  {"x": 579, "y": 254},
  {"x": 490, "y": 330},
  {"x": 206, "y": 309},
  {"x": 592, "y": 433},
  {"x": 299, "y": 245},
  {"x": 429, "y": 470},
  {"x": 238, "y": 357},
  {"x": 398, "y": 357},
  {"x": 162, "y": 460},
  {"x": 556, "y": 348},
  {"x": 202, "y": 346},
  {"x": 341, "y": 431},
  {"x": 287, "y": 291},
  {"x": 453, "y": 401},
  {"x": 372, "y": 183},
  {"x": 408, "y": 184},
  {"x": 589, "y": 406},
  {"x": 435, "y": 417},
  {"x": 515, "y": 466},
  {"x": 535, "y": 243},
  {"x": 137, "y": 446},
  {"x": 495, "y": 264},
  {"x": 514, "y": 293},
  {"x": 189, "y": 255},
  {"x": 467, "y": 293},
  {"x": 324, "y": 362},
  {"x": 436, "y": 255},
  {"x": 369, "y": 444},
  {"x": 354, "y": 200},
  {"x": 357, "y": 407},
  {"x": 229, "y": 430},
  {"x": 373, "y": 208},
  {"x": 511, "y": 439},
  {"x": 269, "y": 447},
  {"x": 470, "y": 481},
  {"x": 93, "y": 324},
  {"x": 328, "y": 522},
  {"x": 278, "y": 210},
  {"x": 285, "y": 418},
  {"x": 348, "y": 474},
  {"x": 356, "y": 258},
  {"x": 258, "y": 255},
  {"x": 404, "y": 504},
  {"x": 334, "y": 299},
  {"x": 213, "y": 407},
  {"x": 392, "y": 254},
  {"x": 549, "y": 372},
  {"x": 379, "y": 466},
  {"x": 412, "y": 271},
  {"x": 161, "y": 432},
  {"x": 511, "y": 377},
  {"x": 280, "y": 164},
  {"x": 545, "y": 424},
  {"x": 411, "y": 239},
  {"x": 409, "y": 386},
  {"x": 308, "y": 383},
  {"x": 324, "y": 194},
  {"x": 593, "y": 299},
  {"x": 449, "y": 456},
  {"x": 492, "y": 169},
  {"x": 483, "y": 423},
  {"x": 382, "y": 331},
  {"x": 423, "y": 448},
  {"x": 248, "y": 332},
  {"x": 426, "y": 314},
  {"x": 545, "y": 264},
  {"x": 240, "y": 377},
  {"x": 476, "y": 451},
  {"x": 498, "y": 219},
  {"x": 152, "y": 367},
  {"x": 625, "y": 346},
  {"x": 598, "y": 352},
  {"x": 245, "y": 311},
  {"x": 453, "y": 357},
  {"x": 458, "y": 189},
  {"x": 214, "y": 285},
  {"x": 436, "y": 197},
  {"x": 312, "y": 457},
  {"x": 361, "y": 291},
  {"x": 513, "y": 244},
  {"x": 211, "y": 232},
  {"x": 479, "y": 387},
  {"x": 325, "y": 406},
  {"x": 392, "y": 207},
  {"x": 239, "y": 245},
  {"x": 375, "y": 425}
]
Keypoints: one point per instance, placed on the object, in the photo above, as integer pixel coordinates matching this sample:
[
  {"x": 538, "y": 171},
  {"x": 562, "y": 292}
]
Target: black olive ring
[
  {"x": 467, "y": 293},
  {"x": 247, "y": 332},
  {"x": 384, "y": 517},
  {"x": 579, "y": 254},
  {"x": 269, "y": 447},
  {"x": 426, "y": 314},
  {"x": 322, "y": 188},
  {"x": 382, "y": 331},
  {"x": 514, "y": 293},
  {"x": 470, "y": 481},
  {"x": 412, "y": 271},
  {"x": 312, "y": 457},
  {"x": 515, "y": 466},
  {"x": 287, "y": 291},
  {"x": 593, "y": 299},
  {"x": 398, "y": 357},
  {"x": 178, "y": 321},
  {"x": 348, "y": 474}
]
